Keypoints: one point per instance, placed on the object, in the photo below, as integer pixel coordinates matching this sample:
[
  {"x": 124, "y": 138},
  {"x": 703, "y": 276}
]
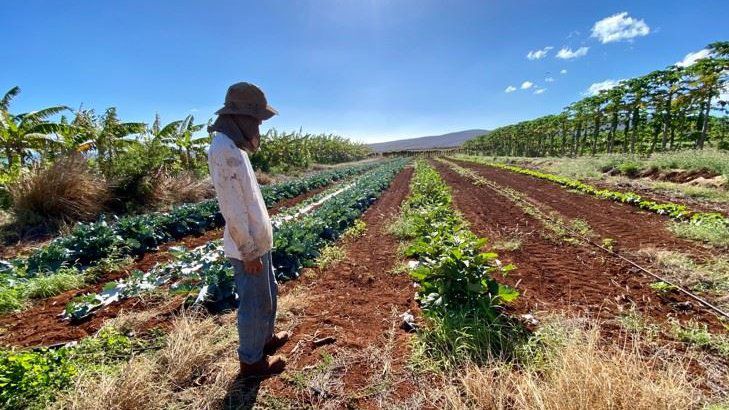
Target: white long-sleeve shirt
[{"x": 248, "y": 232}]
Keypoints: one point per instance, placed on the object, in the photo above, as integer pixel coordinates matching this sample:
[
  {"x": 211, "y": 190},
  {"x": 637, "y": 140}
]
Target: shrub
[
  {"x": 134, "y": 172},
  {"x": 629, "y": 168},
  {"x": 64, "y": 191}
]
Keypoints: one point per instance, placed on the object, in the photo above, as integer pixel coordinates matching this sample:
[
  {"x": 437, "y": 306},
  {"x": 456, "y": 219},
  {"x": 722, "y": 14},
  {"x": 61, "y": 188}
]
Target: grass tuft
[{"x": 715, "y": 234}]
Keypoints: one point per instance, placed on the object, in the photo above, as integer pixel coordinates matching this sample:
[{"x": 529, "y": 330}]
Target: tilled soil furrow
[
  {"x": 354, "y": 301},
  {"x": 631, "y": 228},
  {"x": 41, "y": 324},
  {"x": 557, "y": 276}
]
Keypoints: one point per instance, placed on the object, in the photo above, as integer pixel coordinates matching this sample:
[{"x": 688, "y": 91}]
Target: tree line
[
  {"x": 138, "y": 162},
  {"x": 104, "y": 139},
  {"x": 675, "y": 108}
]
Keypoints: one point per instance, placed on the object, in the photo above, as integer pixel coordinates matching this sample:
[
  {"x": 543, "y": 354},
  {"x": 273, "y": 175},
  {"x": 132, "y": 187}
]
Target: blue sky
[{"x": 371, "y": 70}]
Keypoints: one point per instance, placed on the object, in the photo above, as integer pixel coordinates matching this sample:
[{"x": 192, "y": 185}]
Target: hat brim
[{"x": 262, "y": 115}]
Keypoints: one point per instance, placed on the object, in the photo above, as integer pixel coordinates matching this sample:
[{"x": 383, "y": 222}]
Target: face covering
[{"x": 243, "y": 130}]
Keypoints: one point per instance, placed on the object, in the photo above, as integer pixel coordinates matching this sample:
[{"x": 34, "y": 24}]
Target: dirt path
[
  {"x": 556, "y": 276},
  {"x": 41, "y": 324},
  {"x": 356, "y": 301},
  {"x": 631, "y": 228}
]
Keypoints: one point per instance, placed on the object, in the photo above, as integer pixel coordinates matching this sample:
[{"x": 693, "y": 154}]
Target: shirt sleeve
[{"x": 229, "y": 177}]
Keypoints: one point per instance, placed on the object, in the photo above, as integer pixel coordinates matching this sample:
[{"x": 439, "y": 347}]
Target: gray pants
[{"x": 257, "y": 308}]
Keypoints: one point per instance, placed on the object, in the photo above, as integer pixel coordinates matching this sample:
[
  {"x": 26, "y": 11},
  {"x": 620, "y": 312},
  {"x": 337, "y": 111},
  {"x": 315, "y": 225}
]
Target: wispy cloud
[
  {"x": 567, "y": 53},
  {"x": 526, "y": 85},
  {"x": 619, "y": 27},
  {"x": 540, "y": 91},
  {"x": 602, "y": 85},
  {"x": 539, "y": 54},
  {"x": 692, "y": 58},
  {"x": 510, "y": 89},
  {"x": 549, "y": 80},
  {"x": 563, "y": 71}
]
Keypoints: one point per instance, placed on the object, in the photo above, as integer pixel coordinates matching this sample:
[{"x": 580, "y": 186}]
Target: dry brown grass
[
  {"x": 182, "y": 188},
  {"x": 64, "y": 191},
  {"x": 264, "y": 178},
  {"x": 193, "y": 370},
  {"x": 196, "y": 368},
  {"x": 580, "y": 375}
]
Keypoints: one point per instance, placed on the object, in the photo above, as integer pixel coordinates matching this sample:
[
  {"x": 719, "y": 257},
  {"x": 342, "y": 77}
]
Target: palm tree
[{"x": 21, "y": 134}]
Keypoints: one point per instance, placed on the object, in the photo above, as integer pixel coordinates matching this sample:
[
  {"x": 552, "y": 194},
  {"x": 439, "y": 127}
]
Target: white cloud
[
  {"x": 549, "y": 80},
  {"x": 692, "y": 58},
  {"x": 539, "y": 54},
  {"x": 602, "y": 85},
  {"x": 563, "y": 71},
  {"x": 526, "y": 85},
  {"x": 619, "y": 27},
  {"x": 567, "y": 53},
  {"x": 510, "y": 89},
  {"x": 540, "y": 90}
]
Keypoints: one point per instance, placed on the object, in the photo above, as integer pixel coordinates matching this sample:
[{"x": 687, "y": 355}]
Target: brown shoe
[
  {"x": 276, "y": 342},
  {"x": 267, "y": 366}
]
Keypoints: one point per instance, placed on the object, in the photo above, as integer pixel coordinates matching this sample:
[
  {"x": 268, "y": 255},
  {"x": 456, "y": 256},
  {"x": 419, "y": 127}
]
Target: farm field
[
  {"x": 540, "y": 296},
  {"x": 695, "y": 178},
  {"x": 403, "y": 205}
]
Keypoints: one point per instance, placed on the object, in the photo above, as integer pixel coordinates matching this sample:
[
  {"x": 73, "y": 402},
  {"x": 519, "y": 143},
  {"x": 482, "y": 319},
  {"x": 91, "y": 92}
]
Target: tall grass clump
[
  {"x": 65, "y": 191},
  {"x": 51, "y": 285}
]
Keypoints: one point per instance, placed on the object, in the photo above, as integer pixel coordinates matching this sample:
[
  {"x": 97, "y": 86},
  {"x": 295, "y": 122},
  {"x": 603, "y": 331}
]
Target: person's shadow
[{"x": 242, "y": 393}]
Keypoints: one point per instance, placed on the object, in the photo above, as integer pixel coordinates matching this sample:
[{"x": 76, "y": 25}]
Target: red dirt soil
[
  {"x": 556, "y": 276},
  {"x": 630, "y": 227},
  {"x": 41, "y": 324},
  {"x": 353, "y": 301}
]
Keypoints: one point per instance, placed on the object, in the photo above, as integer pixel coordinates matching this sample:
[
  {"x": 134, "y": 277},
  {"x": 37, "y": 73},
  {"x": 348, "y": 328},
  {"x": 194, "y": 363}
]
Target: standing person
[{"x": 248, "y": 237}]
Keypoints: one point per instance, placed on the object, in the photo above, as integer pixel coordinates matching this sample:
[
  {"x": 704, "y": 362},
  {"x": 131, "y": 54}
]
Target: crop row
[
  {"x": 452, "y": 271},
  {"x": 457, "y": 289},
  {"x": 135, "y": 235},
  {"x": 206, "y": 274},
  {"x": 675, "y": 211}
]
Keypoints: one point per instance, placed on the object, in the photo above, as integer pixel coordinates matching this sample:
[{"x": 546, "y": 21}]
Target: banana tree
[
  {"x": 23, "y": 134},
  {"x": 106, "y": 134},
  {"x": 181, "y": 135}
]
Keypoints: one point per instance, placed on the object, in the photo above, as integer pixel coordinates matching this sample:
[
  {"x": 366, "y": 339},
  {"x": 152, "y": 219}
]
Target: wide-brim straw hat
[{"x": 246, "y": 99}]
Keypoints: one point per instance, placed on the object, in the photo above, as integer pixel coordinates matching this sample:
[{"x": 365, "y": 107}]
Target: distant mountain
[{"x": 452, "y": 140}]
